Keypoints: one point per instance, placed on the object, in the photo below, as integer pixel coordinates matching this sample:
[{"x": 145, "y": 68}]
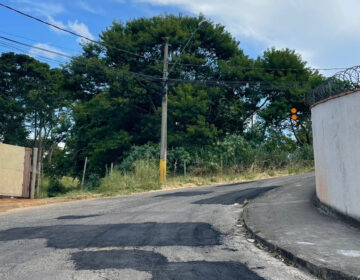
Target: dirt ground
[{"x": 7, "y": 204}]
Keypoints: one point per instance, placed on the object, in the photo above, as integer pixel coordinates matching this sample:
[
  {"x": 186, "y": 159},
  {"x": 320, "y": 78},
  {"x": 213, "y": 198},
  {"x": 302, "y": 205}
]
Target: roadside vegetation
[
  {"x": 232, "y": 160},
  {"x": 228, "y": 114}
]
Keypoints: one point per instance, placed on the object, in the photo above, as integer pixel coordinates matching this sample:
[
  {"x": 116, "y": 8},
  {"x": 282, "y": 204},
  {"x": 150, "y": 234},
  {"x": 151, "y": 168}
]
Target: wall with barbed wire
[
  {"x": 342, "y": 82},
  {"x": 336, "y": 134}
]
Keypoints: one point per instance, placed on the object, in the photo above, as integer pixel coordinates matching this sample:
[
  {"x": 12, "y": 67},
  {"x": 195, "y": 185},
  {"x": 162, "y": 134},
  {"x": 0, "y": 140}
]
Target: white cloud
[
  {"x": 75, "y": 26},
  {"x": 57, "y": 23},
  {"x": 86, "y": 7},
  {"x": 34, "y": 52},
  {"x": 323, "y": 31},
  {"x": 82, "y": 29},
  {"x": 43, "y": 8}
]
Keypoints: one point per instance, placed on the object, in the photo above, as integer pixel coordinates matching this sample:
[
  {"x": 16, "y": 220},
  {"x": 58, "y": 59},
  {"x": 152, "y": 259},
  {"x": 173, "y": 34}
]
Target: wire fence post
[
  {"x": 84, "y": 172},
  {"x": 33, "y": 173}
]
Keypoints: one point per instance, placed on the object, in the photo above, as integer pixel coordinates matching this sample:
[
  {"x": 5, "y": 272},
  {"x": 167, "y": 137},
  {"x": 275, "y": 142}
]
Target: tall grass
[
  {"x": 52, "y": 187},
  {"x": 144, "y": 176}
]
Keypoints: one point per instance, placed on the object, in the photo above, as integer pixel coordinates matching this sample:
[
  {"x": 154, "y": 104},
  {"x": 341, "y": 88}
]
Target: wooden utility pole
[
  {"x": 33, "y": 173},
  {"x": 84, "y": 172},
  {"x": 163, "y": 144}
]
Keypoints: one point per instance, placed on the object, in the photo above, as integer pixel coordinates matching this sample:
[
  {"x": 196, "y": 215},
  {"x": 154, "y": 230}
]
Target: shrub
[
  {"x": 92, "y": 182},
  {"x": 143, "y": 176},
  {"x": 55, "y": 188},
  {"x": 147, "y": 152}
]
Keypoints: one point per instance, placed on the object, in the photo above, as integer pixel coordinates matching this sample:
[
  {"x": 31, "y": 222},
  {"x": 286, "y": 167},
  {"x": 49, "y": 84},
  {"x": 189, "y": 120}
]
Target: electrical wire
[
  {"x": 235, "y": 83},
  {"x": 265, "y": 68},
  {"x": 35, "y": 41},
  {"x": 35, "y": 47},
  {"x": 73, "y": 33},
  {"x": 158, "y": 60},
  {"x": 22, "y": 51}
]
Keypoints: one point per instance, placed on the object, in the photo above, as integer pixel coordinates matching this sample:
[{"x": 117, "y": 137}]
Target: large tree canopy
[
  {"x": 118, "y": 87},
  {"x": 121, "y": 109}
]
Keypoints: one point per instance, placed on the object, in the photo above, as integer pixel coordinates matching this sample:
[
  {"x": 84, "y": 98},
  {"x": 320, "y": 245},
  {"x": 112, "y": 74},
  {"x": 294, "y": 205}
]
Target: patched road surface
[{"x": 183, "y": 234}]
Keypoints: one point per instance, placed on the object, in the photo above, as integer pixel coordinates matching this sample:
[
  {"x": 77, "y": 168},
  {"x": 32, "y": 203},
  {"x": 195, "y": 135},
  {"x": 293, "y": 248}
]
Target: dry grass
[{"x": 194, "y": 181}]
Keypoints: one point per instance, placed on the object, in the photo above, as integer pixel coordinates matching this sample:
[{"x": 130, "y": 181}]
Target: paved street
[{"x": 182, "y": 234}]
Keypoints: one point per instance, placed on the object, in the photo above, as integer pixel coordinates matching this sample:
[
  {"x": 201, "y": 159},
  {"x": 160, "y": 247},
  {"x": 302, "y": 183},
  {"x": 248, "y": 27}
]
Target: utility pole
[{"x": 163, "y": 143}]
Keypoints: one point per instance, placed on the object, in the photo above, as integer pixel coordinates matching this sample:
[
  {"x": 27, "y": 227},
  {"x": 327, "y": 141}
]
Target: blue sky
[
  {"x": 324, "y": 32},
  {"x": 88, "y": 18}
]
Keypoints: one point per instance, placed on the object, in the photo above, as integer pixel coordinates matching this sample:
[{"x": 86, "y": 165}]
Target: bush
[
  {"x": 303, "y": 153},
  {"x": 55, "y": 188},
  {"x": 147, "y": 152},
  {"x": 176, "y": 159},
  {"x": 92, "y": 182},
  {"x": 144, "y": 176},
  {"x": 206, "y": 169}
]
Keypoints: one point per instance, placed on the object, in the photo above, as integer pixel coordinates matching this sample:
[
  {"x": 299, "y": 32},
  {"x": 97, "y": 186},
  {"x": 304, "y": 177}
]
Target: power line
[
  {"x": 35, "y": 47},
  {"x": 40, "y": 57},
  {"x": 160, "y": 79},
  {"x": 71, "y": 57},
  {"x": 148, "y": 58},
  {"x": 265, "y": 68},
  {"x": 32, "y": 40},
  {"x": 234, "y": 83},
  {"x": 73, "y": 33}
]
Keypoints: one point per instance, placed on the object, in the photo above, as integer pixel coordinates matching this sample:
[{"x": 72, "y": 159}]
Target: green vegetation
[
  {"x": 144, "y": 177},
  {"x": 99, "y": 109}
]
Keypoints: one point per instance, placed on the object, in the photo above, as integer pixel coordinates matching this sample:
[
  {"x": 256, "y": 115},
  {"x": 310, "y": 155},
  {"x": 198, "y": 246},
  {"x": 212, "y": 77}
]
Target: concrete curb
[
  {"x": 330, "y": 211},
  {"x": 318, "y": 271}
]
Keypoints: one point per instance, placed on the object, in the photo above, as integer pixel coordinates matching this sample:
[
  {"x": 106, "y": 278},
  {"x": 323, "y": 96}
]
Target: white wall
[{"x": 336, "y": 132}]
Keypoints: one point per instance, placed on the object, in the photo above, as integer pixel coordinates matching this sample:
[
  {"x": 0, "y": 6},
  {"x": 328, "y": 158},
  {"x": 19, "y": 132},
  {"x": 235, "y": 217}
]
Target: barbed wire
[{"x": 347, "y": 80}]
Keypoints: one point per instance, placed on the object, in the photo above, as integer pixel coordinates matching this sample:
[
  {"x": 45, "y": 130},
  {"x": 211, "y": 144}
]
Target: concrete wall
[
  {"x": 12, "y": 159},
  {"x": 336, "y": 132}
]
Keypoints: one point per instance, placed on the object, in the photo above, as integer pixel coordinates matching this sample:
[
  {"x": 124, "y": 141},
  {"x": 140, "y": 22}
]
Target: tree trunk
[
  {"x": 51, "y": 152},
  {"x": 294, "y": 132}
]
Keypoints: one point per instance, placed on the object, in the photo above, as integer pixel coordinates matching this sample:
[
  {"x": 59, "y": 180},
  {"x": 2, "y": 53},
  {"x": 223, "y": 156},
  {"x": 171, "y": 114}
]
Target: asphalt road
[{"x": 191, "y": 233}]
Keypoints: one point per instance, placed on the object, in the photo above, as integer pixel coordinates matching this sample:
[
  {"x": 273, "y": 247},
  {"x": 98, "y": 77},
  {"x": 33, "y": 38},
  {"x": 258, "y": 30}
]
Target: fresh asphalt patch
[
  {"x": 74, "y": 217},
  {"x": 240, "y": 196},
  {"x": 184, "y": 194},
  {"x": 159, "y": 266},
  {"x": 118, "y": 235}
]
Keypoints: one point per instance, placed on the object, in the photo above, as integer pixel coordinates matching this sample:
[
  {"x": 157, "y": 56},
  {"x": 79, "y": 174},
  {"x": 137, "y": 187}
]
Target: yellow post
[{"x": 162, "y": 170}]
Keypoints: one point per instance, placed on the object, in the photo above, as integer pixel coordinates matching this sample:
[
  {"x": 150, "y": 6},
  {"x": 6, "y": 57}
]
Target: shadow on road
[
  {"x": 183, "y": 194},
  {"x": 118, "y": 235},
  {"x": 73, "y": 217},
  {"x": 160, "y": 268},
  {"x": 236, "y": 196}
]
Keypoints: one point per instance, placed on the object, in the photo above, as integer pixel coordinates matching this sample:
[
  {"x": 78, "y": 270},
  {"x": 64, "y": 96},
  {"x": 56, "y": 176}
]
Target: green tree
[
  {"x": 111, "y": 101},
  {"x": 290, "y": 81},
  {"x": 32, "y": 103},
  {"x": 17, "y": 77}
]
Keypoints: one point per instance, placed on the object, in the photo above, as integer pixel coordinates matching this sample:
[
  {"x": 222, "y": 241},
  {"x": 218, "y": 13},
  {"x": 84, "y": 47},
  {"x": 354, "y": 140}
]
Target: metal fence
[{"x": 343, "y": 81}]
